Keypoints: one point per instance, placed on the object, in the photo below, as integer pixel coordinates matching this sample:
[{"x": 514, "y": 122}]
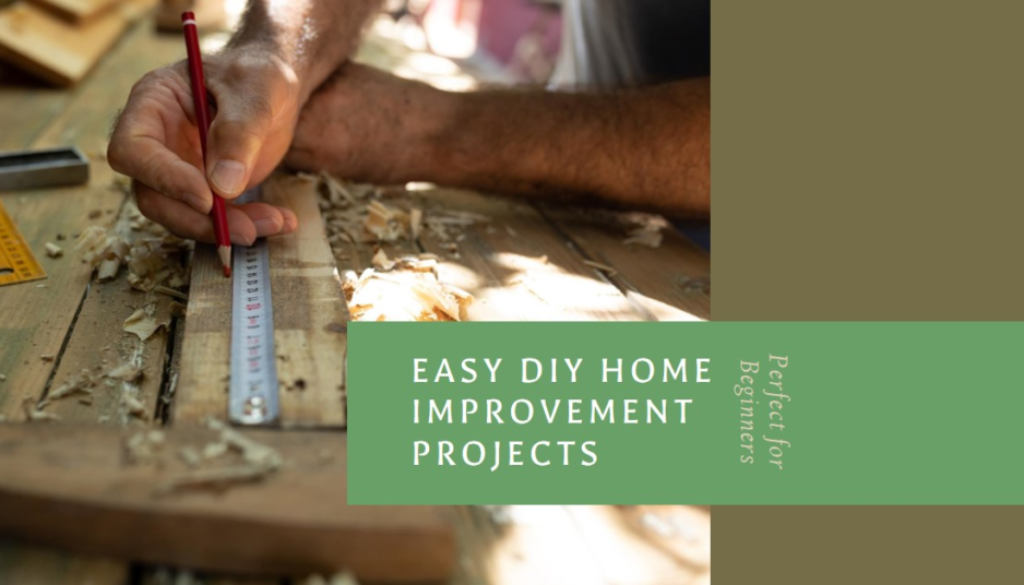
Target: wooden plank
[
  {"x": 672, "y": 281},
  {"x": 55, "y": 50},
  {"x": 37, "y": 317},
  {"x": 310, "y": 316},
  {"x": 310, "y": 321},
  {"x": 202, "y": 388},
  {"x": 519, "y": 268},
  {"x": 294, "y": 522},
  {"x": 76, "y": 11},
  {"x": 39, "y": 321},
  {"x": 31, "y": 564},
  {"x": 98, "y": 344},
  {"x": 107, "y": 305}
]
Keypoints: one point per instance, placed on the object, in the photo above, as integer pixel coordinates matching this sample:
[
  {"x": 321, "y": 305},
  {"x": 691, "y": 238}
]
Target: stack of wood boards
[{"x": 60, "y": 41}]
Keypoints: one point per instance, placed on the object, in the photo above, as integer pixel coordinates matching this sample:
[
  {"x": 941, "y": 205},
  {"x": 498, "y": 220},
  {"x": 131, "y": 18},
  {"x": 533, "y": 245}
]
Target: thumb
[{"x": 236, "y": 137}]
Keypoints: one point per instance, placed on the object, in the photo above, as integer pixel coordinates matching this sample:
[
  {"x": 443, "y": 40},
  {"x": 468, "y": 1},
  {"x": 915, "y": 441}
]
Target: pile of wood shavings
[
  {"x": 403, "y": 289},
  {"x": 364, "y": 214},
  {"x": 153, "y": 256}
]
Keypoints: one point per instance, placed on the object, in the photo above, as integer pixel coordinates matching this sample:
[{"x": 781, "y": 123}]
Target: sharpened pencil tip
[{"x": 224, "y": 252}]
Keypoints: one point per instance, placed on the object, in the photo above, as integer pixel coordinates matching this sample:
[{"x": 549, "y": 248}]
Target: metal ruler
[
  {"x": 17, "y": 263},
  {"x": 254, "y": 389}
]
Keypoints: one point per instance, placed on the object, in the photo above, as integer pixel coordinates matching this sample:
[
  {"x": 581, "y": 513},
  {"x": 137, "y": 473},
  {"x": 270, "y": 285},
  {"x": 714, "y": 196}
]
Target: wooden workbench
[{"x": 529, "y": 262}]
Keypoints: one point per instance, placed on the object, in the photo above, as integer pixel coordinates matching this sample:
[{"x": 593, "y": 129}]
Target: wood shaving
[
  {"x": 80, "y": 383},
  {"x": 602, "y": 267},
  {"x": 144, "y": 447},
  {"x": 143, "y": 322},
  {"x": 108, "y": 269},
  {"x": 409, "y": 292},
  {"x": 170, "y": 292},
  {"x": 190, "y": 456},
  {"x": 215, "y": 450},
  {"x": 133, "y": 406},
  {"x": 217, "y": 478},
  {"x": 177, "y": 309},
  {"x": 381, "y": 261},
  {"x": 646, "y": 235},
  {"x": 33, "y": 413},
  {"x": 258, "y": 461},
  {"x": 126, "y": 372},
  {"x": 53, "y": 250}
]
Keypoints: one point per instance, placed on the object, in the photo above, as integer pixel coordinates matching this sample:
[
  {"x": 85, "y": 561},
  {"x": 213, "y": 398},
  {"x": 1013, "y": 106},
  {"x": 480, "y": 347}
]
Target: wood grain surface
[{"x": 70, "y": 486}]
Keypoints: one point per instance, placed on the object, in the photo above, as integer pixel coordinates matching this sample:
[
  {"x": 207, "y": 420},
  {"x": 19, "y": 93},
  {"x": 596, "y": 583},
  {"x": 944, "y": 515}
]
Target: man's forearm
[
  {"x": 646, "y": 147},
  {"x": 314, "y": 37}
]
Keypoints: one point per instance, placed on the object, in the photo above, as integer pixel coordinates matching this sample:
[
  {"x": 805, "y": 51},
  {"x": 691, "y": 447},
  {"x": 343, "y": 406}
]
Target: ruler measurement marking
[
  {"x": 254, "y": 396},
  {"x": 17, "y": 263}
]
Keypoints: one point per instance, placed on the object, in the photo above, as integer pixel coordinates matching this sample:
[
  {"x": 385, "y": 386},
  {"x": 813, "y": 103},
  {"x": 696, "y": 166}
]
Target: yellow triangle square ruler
[{"x": 17, "y": 263}]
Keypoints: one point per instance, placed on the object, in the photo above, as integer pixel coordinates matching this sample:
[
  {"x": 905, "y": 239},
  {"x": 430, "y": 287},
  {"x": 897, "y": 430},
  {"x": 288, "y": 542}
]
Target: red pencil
[{"x": 195, "y": 73}]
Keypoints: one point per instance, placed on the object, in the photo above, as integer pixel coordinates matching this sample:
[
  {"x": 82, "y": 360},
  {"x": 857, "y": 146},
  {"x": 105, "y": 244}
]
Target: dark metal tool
[{"x": 49, "y": 167}]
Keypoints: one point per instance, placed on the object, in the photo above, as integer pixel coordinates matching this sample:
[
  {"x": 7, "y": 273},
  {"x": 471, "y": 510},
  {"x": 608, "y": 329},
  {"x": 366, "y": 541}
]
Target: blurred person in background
[{"x": 626, "y": 118}]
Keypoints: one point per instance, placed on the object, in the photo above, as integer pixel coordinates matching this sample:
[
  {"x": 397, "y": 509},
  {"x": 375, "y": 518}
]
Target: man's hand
[
  {"x": 156, "y": 143},
  {"x": 278, "y": 55}
]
